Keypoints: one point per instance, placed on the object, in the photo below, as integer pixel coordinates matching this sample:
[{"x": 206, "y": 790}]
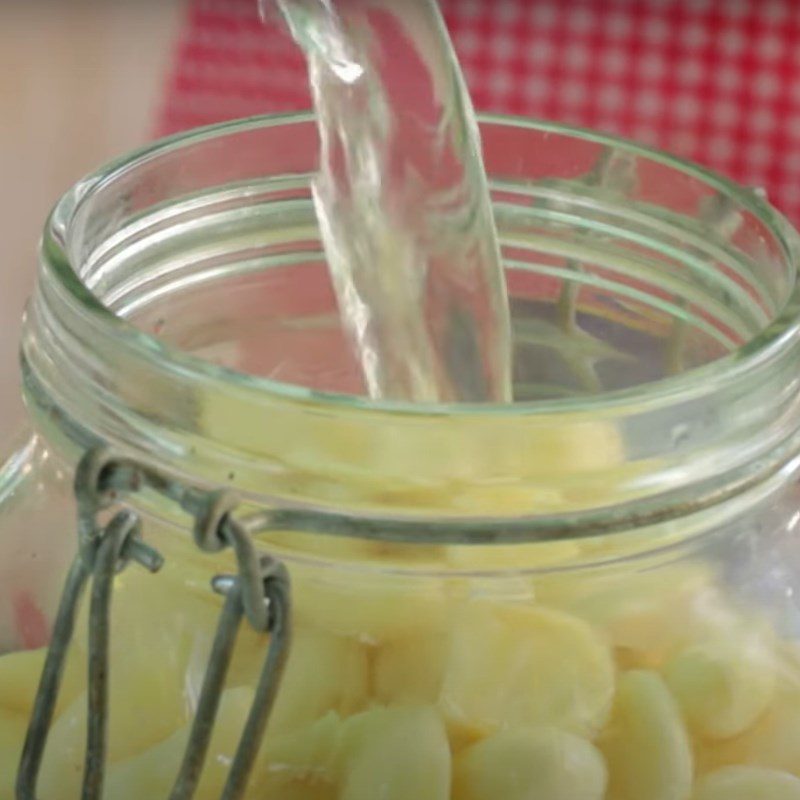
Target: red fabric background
[{"x": 717, "y": 81}]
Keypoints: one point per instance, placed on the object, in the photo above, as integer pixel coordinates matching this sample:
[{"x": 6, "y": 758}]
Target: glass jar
[{"x": 588, "y": 594}]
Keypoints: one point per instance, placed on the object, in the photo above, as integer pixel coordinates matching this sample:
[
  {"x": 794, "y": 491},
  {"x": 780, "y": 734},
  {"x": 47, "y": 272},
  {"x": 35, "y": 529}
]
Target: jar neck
[
  {"x": 652, "y": 455},
  {"x": 627, "y": 459}
]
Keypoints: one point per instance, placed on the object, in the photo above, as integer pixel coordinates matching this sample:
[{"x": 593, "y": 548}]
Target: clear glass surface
[{"x": 603, "y": 575}]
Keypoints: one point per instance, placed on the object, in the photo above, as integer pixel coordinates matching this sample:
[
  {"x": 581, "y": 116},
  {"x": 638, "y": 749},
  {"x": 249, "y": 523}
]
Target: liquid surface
[{"x": 403, "y": 202}]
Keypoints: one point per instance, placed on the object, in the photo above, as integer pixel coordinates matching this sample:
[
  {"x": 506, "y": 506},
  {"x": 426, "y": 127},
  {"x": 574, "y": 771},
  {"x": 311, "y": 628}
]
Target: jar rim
[
  {"x": 656, "y": 451},
  {"x": 714, "y": 374}
]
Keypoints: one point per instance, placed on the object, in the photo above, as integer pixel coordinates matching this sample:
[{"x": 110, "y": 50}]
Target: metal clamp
[{"x": 260, "y": 592}]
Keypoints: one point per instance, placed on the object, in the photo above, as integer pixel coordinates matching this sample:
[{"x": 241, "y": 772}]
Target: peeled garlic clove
[
  {"x": 775, "y": 740},
  {"x": 160, "y": 641},
  {"x": 62, "y": 768},
  {"x": 395, "y": 754},
  {"x": 646, "y": 745},
  {"x": 539, "y": 763},
  {"x": 152, "y": 773},
  {"x": 302, "y": 764},
  {"x": 723, "y": 686},
  {"x": 368, "y": 608},
  {"x": 748, "y": 783},
  {"x": 310, "y": 750},
  {"x": 13, "y": 729},
  {"x": 519, "y": 665},
  {"x": 282, "y": 787},
  {"x": 19, "y": 681},
  {"x": 410, "y": 670},
  {"x": 163, "y": 627},
  {"x": 647, "y": 615},
  {"x": 323, "y": 673}
]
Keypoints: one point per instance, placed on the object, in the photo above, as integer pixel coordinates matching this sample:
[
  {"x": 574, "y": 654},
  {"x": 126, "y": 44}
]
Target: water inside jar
[{"x": 402, "y": 200}]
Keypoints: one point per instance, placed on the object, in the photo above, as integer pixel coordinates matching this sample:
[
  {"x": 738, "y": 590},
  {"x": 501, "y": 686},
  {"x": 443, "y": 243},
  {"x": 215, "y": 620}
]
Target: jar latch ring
[{"x": 260, "y": 592}]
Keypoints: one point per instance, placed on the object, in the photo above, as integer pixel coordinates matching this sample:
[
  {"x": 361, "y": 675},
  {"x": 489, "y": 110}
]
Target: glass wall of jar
[{"x": 588, "y": 594}]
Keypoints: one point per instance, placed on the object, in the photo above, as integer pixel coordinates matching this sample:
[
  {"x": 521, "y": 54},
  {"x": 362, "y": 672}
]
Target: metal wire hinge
[{"x": 259, "y": 592}]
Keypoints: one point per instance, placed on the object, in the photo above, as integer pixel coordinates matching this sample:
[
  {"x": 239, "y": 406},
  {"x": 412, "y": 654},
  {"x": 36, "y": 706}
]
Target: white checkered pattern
[{"x": 717, "y": 81}]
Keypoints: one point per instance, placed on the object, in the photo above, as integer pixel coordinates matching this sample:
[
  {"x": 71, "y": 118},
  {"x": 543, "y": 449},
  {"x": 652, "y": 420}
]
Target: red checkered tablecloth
[{"x": 717, "y": 81}]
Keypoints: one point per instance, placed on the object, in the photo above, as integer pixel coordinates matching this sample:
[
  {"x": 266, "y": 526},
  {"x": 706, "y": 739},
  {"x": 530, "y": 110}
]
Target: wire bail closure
[{"x": 260, "y": 592}]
